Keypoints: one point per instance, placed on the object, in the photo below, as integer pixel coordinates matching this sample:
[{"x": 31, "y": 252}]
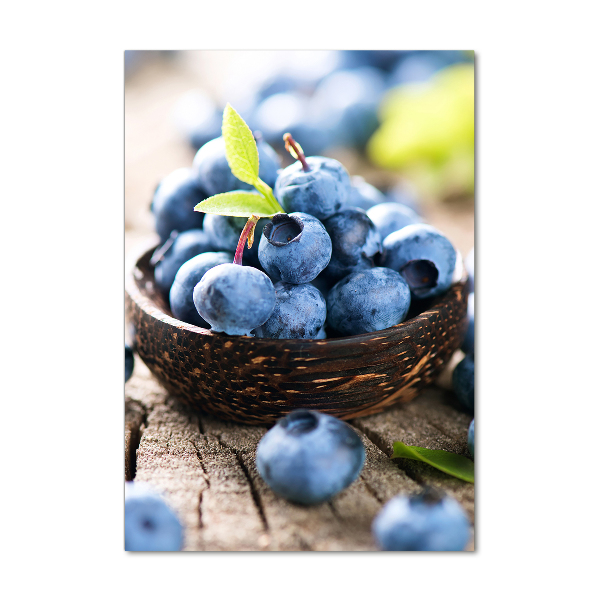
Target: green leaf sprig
[
  {"x": 448, "y": 462},
  {"x": 242, "y": 156}
]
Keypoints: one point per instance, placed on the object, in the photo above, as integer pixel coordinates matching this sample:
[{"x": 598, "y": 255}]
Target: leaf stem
[
  {"x": 295, "y": 150},
  {"x": 247, "y": 234}
]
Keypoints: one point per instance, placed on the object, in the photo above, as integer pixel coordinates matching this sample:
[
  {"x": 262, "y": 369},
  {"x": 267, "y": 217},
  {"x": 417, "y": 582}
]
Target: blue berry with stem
[
  {"x": 315, "y": 185},
  {"x": 232, "y": 298}
]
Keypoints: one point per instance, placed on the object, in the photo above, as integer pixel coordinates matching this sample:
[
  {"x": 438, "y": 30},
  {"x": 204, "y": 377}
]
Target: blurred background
[{"x": 402, "y": 120}]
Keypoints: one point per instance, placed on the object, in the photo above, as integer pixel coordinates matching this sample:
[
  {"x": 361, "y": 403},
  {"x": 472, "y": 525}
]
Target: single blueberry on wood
[
  {"x": 423, "y": 256},
  {"x": 234, "y": 299},
  {"x": 150, "y": 525},
  {"x": 355, "y": 243},
  {"x": 185, "y": 246},
  {"x": 463, "y": 383},
  {"x": 294, "y": 248},
  {"x": 368, "y": 300},
  {"x": 308, "y": 457},
  {"x": 181, "y": 296},
  {"x": 173, "y": 203},
  {"x": 426, "y": 522},
  {"x": 299, "y": 313}
]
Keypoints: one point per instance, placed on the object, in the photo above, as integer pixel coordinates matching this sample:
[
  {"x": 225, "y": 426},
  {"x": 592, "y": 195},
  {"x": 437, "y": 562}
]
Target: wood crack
[{"x": 253, "y": 491}]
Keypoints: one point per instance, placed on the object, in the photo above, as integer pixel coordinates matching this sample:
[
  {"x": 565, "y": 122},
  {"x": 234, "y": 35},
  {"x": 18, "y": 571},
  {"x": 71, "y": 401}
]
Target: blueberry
[
  {"x": 320, "y": 192},
  {"x": 368, "y": 300},
  {"x": 150, "y": 525},
  {"x": 224, "y": 233},
  {"x": 346, "y": 103},
  {"x": 391, "y": 216},
  {"x": 308, "y": 457},
  {"x": 363, "y": 195},
  {"x": 234, "y": 299},
  {"x": 128, "y": 362},
  {"x": 355, "y": 242},
  {"x": 197, "y": 118},
  {"x": 189, "y": 274},
  {"x": 186, "y": 245},
  {"x": 468, "y": 345},
  {"x": 427, "y": 522},
  {"x": 463, "y": 383},
  {"x": 423, "y": 256},
  {"x": 299, "y": 313},
  {"x": 174, "y": 201},
  {"x": 405, "y": 194},
  {"x": 281, "y": 113},
  {"x": 214, "y": 175},
  {"x": 294, "y": 248},
  {"x": 471, "y": 438},
  {"x": 470, "y": 267}
]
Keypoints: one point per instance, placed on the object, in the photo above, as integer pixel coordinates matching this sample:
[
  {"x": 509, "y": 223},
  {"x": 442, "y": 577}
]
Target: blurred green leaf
[{"x": 448, "y": 462}]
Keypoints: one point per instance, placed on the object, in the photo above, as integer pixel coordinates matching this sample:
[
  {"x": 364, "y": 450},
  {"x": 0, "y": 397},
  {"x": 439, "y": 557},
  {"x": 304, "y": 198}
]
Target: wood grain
[{"x": 205, "y": 467}]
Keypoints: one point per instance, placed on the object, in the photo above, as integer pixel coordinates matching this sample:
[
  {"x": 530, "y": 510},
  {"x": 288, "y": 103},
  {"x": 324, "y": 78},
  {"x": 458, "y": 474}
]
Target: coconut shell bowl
[{"x": 256, "y": 381}]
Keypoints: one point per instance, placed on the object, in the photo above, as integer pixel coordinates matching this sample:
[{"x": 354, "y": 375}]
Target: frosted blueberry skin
[
  {"x": 186, "y": 245},
  {"x": 355, "y": 243},
  {"x": 294, "y": 248},
  {"x": 368, "y": 300},
  {"x": 319, "y": 192},
  {"x": 150, "y": 525},
  {"x": 391, "y": 216},
  {"x": 424, "y": 523},
  {"x": 299, "y": 313},
  {"x": 173, "y": 203},
  {"x": 128, "y": 362},
  {"x": 468, "y": 345},
  {"x": 214, "y": 175},
  {"x": 471, "y": 438},
  {"x": 463, "y": 383},
  {"x": 224, "y": 233},
  {"x": 423, "y": 256},
  {"x": 308, "y": 457},
  {"x": 363, "y": 195},
  {"x": 234, "y": 299},
  {"x": 181, "y": 297}
]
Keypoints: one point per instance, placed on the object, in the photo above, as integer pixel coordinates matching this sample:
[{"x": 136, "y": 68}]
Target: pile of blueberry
[{"x": 342, "y": 260}]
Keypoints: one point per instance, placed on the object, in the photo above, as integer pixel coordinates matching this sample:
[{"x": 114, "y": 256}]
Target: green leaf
[
  {"x": 240, "y": 146},
  {"x": 237, "y": 204},
  {"x": 448, "y": 462}
]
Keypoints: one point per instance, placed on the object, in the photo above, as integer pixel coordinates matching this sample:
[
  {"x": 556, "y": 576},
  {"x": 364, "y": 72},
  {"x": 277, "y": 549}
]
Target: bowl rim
[{"x": 143, "y": 301}]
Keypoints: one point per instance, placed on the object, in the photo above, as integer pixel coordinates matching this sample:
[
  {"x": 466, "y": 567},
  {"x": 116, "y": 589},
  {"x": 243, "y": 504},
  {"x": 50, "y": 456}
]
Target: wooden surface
[{"x": 206, "y": 470}]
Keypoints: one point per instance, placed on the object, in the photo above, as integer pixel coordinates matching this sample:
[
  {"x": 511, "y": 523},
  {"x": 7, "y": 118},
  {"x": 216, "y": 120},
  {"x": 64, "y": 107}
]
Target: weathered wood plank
[{"x": 206, "y": 469}]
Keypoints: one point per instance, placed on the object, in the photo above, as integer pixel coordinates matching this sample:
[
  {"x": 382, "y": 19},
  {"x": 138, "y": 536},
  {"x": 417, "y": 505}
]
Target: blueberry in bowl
[{"x": 256, "y": 380}]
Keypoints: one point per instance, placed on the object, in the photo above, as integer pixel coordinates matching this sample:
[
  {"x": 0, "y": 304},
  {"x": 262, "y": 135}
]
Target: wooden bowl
[{"x": 257, "y": 381}]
